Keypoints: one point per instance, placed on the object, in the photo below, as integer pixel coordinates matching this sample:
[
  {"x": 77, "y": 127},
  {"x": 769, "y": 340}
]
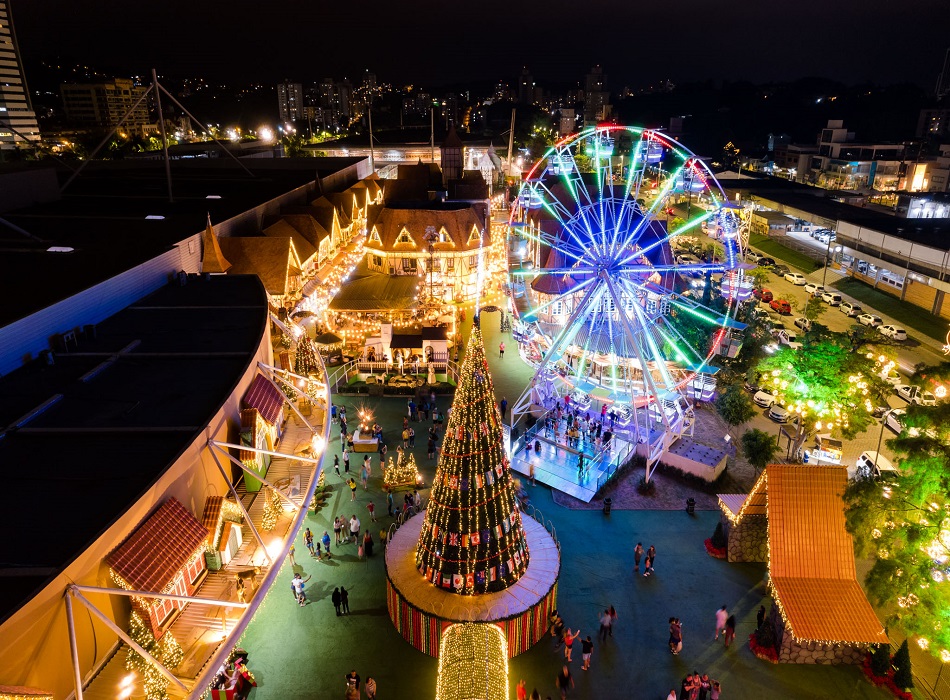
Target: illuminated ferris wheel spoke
[
  {"x": 560, "y": 297},
  {"x": 566, "y": 219},
  {"x": 651, "y": 211}
]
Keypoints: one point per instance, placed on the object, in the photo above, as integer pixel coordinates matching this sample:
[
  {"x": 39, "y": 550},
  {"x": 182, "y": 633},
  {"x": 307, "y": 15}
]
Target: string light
[
  {"x": 473, "y": 663},
  {"x": 166, "y": 651},
  {"x": 401, "y": 473},
  {"x": 471, "y": 540}
]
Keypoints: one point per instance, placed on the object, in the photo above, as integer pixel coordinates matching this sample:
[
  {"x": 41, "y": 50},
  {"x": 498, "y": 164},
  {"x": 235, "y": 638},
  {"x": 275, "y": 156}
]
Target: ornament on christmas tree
[{"x": 472, "y": 541}]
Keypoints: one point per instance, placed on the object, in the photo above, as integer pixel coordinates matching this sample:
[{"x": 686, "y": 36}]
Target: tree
[
  {"x": 759, "y": 447},
  {"x": 881, "y": 660},
  {"x": 903, "y": 678},
  {"x": 735, "y": 408},
  {"x": 759, "y": 275},
  {"x": 305, "y": 361},
  {"x": 472, "y": 541},
  {"x": 903, "y": 525},
  {"x": 825, "y": 385},
  {"x": 812, "y": 309}
]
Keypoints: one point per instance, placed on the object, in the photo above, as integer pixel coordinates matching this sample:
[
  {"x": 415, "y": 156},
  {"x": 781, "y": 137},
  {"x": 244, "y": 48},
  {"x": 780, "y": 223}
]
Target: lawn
[
  {"x": 910, "y": 315},
  {"x": 780, "y": 252}
]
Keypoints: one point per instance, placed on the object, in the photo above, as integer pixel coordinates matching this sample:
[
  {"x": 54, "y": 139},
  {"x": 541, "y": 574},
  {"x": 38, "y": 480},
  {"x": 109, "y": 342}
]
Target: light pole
[
  {"x": 824, "y": 277},
  {"x": 430, "y": 238},
  {"x": 880, "y": 438}
]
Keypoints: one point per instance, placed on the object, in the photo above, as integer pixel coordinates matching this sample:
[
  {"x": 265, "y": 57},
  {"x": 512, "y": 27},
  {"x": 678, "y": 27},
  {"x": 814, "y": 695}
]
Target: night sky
[{"x": 433, "y": 43}]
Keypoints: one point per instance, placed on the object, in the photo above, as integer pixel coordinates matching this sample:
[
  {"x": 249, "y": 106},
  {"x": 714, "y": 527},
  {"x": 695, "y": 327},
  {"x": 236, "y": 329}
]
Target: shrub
[
  {"x": 719, "y": 537},
  {"x": 697, "y": 482},
  {"x": 646, "y": 488},
  {"x": 881, "y": 660},
  {"x": 903, "y": 678}
]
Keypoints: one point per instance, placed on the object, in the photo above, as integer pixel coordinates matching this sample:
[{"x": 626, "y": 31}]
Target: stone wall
[
  {"x": 748, "y": 541},
  {"x": 791, "y": 651}
]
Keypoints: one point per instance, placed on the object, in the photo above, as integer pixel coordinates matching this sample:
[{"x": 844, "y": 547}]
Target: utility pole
[
  {"x": 372, "y": 152},
  {"x": 432, "y": 134},
  {"x": 161, "y": 126},
  {"x": 511, "y": 139}
]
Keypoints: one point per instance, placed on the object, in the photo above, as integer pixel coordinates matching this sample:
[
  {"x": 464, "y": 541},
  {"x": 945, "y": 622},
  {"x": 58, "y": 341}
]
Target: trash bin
[
  {"x": 606, "y": 506},
  {"x": 690, "y": 505}
]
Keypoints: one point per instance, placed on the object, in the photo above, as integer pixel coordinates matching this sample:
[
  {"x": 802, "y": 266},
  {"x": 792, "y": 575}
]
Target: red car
[
  {"x": 782, "y": 306},
  {"x": 763, "y": 295}
]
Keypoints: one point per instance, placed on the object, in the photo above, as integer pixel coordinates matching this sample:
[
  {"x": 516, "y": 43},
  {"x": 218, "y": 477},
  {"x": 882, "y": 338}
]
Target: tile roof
[
  {"x": 212, "y": 259},
  {"x": 457, "y": 219},
  {"x": 152, "y": 555},
  {"x": 266, "y": 398},
  {"x": 376, "y": 292},
  {"x": 282, "y": 228},
  {"x": 271, "y": 259},
  {"x": 212, "y": 512},
  {"x": 248, "y": 434},
  {"x": 811, "y": 555}
]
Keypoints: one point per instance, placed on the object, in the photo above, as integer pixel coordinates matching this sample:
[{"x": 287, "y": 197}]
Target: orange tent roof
[{"x": 811, "y": 554}]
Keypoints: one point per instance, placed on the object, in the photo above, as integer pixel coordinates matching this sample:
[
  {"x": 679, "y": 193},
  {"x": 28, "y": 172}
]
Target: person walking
[
  {"x": 521, "y": 691},
  {"x": 730, "y": 630},
  {"x": 504, "y": 407},
  {"x": 371, "y": 507},
  {"x": 389, "y": 502},
  {"x": 721, "y": 616},
  {"x": 345, "y": 600},
  {"x": 338, "y": 530},
  {"x": 587, "y": 648},
  {"x": 337, "y": 600},
  {"x": 564, "y": 681},
  {"x": 676, "y": 635},
  {"x": 648, "y": 564},
  {"x": 715, "y": 690},
  {"x": 326, "y": 543},
  {"x": 569, "y": 638},
  {"x": 336, "y": 464},
  {"x": 760, "y": 617},
  {"x": 352, "y": 484},
  {"x": 501, "y": 350},
  {"x": 352, "y": 682},
  {"x": 368, "y": 544},
  {"x": 370, "y": 688},
  {"x": 532, "y": 467},
  {"x": 308, "y": 539},
  {"x": 604, "y": 626},
  {"x": 298, "y": 585},
  {"x": 412, "y": 437},
  {"x": 637, "y": 555},
  {"x": 346, "y": 461},
  {"x": 354, "y": 528},
  {"x": 364, "y": 476}
]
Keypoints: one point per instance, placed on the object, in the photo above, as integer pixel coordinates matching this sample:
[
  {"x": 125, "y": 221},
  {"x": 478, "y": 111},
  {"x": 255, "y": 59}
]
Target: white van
[{"x": 866, "y": 465}]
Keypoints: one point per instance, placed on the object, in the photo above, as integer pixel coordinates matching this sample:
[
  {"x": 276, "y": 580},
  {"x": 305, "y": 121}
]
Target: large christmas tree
[
  {"x": 306, "y": 360},
  {"x": 471, "y": 541}
]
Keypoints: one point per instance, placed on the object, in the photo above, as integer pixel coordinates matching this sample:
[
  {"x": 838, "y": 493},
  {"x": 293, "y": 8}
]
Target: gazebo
[{"x": 793, "y": 518}]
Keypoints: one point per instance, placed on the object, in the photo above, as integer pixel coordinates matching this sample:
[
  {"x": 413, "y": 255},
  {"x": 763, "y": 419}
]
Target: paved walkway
[{"x": 305, "y": 652}]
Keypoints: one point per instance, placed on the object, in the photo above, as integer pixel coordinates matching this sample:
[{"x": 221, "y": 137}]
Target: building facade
[
  {"x": 290, "y": 102},
  {"x": 17, "y": 119},
  {"x": 105, "y": 103}
]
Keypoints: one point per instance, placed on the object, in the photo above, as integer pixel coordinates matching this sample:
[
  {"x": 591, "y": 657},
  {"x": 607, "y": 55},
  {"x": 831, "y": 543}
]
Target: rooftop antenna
[{"x": 158, "y": 87}]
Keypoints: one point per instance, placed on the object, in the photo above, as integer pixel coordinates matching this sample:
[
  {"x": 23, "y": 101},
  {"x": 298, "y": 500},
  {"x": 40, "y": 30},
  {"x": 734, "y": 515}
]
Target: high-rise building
[
  {"x": 290, "y": 101},
  {"x": 105, "y": 103},
  {"x": 526, "y": 87},
  {"x": 596, "y": 97},
  {"x": 17, "y": 119}
]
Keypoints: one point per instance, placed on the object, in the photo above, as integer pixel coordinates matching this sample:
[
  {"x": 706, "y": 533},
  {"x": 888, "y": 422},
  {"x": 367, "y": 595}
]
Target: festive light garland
[
  {"x": 272, "y": 511},
  {"x": 402, "y": 473},
  {"x": 166, "y": 650},
  {"x": 472, "y": 540},
  {"x": 473, "y": 663},
  {"x": 24, "y": 693}
]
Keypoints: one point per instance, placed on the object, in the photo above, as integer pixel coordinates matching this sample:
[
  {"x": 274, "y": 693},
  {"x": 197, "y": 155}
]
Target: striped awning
[{"x": 266, "y": 398}]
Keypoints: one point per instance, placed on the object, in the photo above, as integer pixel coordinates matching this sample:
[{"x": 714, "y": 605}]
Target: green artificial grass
[
  {"x": 779, "y": 252},
  {"x": 910, "y": 315}
]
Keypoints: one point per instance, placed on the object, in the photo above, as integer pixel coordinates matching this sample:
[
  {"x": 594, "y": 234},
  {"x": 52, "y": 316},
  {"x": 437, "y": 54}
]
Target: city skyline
[{"x": 438, "y": 46}]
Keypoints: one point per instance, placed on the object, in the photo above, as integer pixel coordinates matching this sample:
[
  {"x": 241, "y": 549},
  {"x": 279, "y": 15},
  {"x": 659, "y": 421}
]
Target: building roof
[
  {"x": 452, "y": 139},
  {"x": 811, "y": 554},
  {"x": 212, "y": 511},
  {"x": 137, "y": 392},
  {"x": 153, "y": 555},
  {"x": 371, "y": 291},
  {"x": 342, "y": 205},
  {"x": 434, "y": 333},
  {"x": 274, "y": 260},
  {"x": 212, "y": 259},
  {"x": 102, "y": 216},
  {"x": 307, "y": 226},
  {"x": 406, "y": 341},
  {"x": 284, "y": 229},
  {"x": 456, "y": 219},
  {"x": 266, "y": 398}
]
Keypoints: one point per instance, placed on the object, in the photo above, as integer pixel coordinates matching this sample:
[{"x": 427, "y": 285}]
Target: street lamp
[
  {"x": 824, "y": 277},
  {"x": 880, "y": 438}
]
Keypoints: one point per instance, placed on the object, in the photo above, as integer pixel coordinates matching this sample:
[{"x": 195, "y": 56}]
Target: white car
[
  {"x": 831, "y": 298},
  {"x": 796, "y": 278},
  {"x": 893, "y": 332},
  {"x": 816, "y": 290},
  {"x": 915, "y": 395},
  {"x": 870, "y": 320},
  {"x": 895, "y": 420},
  {"x": 780, "y": 414},
  {"x": 893, "y": 377},
  {"x": 849, "y": 309},
  {"x": 784, "y": 337},
  {"x": 803, "y": 323},
  {"x": 764, "y": 399}
]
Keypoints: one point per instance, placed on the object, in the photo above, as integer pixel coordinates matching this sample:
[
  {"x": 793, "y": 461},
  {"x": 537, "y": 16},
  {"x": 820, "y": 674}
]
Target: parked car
[
  {"x": 831, "y": 298},
  {"x": 915, "y": 395},
  {"x": 752, "y": 387},
  {"x": 763, "y": 295},
  {"x": 803, "y": 323},
  {"x": 816, "y": 290},
  {"x": 872, "y": 464},
  {"x": 893, "y": 377},
  {"x": 763, "y": 398},
  {"x": 870, "y": 320},
  {"x": 796, "y": 278},
  {"x": 895, "y": 420},
  {"x": 780, "y": 305},
  {"x": 879, "y": 411},
  {"x": 893, "y": 332},
  {"x": 786, "y": 337},
  {"x": 849, "y": 309},
  {"x": 766, "y": 262},
  {"x": 780, "y": 270},
  {"x": 780, "y": 414},
  {"x": 826, "y": 237}
]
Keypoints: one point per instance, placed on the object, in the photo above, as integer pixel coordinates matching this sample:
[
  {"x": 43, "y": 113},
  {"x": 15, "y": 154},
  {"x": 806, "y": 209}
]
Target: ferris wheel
[{"x": 612, "y": 307}]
